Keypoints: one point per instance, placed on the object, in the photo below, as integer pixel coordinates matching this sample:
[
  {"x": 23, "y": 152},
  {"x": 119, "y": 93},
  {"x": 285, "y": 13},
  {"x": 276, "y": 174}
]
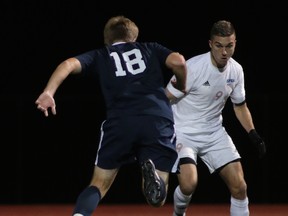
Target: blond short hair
[{"x": 120, "y": 28}]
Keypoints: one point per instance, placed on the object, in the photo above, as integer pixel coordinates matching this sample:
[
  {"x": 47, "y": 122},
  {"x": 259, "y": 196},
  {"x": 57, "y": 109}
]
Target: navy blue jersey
[{"x": 131, "y": 78}]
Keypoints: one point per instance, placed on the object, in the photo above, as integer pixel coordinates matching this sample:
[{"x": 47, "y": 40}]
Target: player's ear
[{"x": 210, "y": 43}]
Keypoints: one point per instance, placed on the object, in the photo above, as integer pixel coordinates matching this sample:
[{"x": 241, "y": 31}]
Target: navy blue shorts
[{"x": 136, "y": 138}]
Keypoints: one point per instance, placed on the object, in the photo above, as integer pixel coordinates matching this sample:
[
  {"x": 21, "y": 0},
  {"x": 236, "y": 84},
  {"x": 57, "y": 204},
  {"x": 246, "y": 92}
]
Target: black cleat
[
  {"x": 154, "y": 187},
  {"x": 175, "y": 214}
]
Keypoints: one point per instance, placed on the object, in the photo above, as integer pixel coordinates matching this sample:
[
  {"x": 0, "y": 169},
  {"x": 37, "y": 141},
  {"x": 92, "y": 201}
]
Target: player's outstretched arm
[{"x": 46, "y": 101}]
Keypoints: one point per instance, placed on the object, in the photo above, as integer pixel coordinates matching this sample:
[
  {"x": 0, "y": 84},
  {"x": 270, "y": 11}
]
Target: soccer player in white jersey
[{"x": 212, "y": 78}]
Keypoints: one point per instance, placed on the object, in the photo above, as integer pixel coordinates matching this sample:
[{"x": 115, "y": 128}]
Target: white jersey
[
  {"x": 198, "y": 113},
  {"x": 200, "y": 109}
]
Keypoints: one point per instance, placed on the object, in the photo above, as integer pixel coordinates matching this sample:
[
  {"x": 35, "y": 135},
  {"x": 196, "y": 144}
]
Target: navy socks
[{"x": 87, "y": 201}]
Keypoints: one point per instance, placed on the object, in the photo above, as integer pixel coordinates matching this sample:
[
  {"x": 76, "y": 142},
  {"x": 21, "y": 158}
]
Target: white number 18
[{"x": 137, "y": 62}]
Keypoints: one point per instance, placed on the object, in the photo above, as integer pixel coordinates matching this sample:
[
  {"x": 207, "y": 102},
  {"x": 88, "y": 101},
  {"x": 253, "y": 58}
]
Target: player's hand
[
  {"x": 258, "y": 143},
  {"x": 44, "y": 102}
]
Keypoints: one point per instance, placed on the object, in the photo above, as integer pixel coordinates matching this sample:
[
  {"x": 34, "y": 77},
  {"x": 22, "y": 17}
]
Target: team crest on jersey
[{"x": 229, "y": 81}]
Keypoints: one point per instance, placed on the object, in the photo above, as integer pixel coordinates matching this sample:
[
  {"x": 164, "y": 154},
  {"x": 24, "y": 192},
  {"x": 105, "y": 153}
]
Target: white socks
[
  {"x": 239, "y": 207},
  {"x": 181, "y": 201}
]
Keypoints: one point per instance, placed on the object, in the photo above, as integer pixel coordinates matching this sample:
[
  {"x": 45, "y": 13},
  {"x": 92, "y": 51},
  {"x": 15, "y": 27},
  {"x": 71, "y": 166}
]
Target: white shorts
[{"x": 215, "y": 149}]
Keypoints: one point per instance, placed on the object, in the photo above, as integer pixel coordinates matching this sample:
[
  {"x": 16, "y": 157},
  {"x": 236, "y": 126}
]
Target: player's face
[{"x": 222, "y": 48}]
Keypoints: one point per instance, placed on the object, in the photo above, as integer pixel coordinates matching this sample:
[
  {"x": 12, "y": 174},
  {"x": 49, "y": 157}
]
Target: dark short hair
[{"x": 222, "y": 28}]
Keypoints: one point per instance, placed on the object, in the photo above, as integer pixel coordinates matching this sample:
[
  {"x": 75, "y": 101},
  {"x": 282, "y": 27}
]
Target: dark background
[{"x": 50, "y": 160}]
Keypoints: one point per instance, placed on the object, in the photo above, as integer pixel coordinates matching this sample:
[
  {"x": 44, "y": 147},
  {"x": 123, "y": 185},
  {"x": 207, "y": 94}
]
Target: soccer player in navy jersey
[
  {"x": 131, "y": 79},
  {"x": 212, "y": 78}
]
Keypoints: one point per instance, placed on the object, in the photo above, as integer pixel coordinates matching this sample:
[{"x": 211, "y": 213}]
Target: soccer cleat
[
  {"x": 174, "y": 214},
  {"x": 181, "y": 208},
  {"x": 154, "y": 187}
]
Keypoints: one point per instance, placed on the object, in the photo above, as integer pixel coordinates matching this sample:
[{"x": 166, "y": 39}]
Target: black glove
[{"x": 258, "y": 143}]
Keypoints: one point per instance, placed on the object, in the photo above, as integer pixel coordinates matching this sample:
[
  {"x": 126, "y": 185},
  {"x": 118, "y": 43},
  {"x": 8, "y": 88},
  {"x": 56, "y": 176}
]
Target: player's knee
[
  {"x": 239, "y": 191},
  {"x": 188, "y": 188}
]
